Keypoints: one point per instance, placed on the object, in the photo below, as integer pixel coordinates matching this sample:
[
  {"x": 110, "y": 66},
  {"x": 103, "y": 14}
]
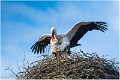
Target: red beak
[{"x": 53, "y": 36}]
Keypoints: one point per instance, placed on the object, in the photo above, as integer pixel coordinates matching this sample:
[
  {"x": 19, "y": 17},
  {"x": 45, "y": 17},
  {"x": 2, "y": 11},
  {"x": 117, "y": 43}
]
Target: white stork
[{"x": 60, "y": 42}]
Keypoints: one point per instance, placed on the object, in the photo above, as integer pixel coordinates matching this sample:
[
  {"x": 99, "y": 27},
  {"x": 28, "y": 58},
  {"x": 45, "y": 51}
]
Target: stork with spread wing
[{"x": 59, "y": 42}]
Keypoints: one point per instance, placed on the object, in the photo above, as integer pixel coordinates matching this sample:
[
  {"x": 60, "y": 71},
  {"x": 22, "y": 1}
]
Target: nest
[{"x": 79, "y": 65}]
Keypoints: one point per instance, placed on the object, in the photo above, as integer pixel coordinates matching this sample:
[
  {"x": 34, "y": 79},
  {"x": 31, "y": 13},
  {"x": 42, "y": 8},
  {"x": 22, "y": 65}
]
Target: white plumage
[{"x": 63, "y": 42}]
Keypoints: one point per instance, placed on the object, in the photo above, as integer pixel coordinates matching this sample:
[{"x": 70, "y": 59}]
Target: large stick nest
[{"x": 79, "y": 65}]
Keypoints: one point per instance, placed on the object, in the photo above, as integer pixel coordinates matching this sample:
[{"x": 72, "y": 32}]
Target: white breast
[{"x": 55, "y": 46}]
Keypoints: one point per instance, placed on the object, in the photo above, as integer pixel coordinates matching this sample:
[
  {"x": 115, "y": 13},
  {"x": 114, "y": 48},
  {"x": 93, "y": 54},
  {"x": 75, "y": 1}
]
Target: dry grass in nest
[{"x": 79, "y": 65}]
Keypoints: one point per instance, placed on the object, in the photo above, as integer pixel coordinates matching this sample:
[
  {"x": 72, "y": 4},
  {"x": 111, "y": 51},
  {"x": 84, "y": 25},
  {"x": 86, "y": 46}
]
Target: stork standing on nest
[{"x": 61, "y": 43}]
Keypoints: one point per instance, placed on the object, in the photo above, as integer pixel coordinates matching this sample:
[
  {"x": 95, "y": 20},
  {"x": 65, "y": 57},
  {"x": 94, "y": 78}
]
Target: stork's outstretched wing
[
  {"x": 40, "y": 45},
  {"x": 81, "y": 28}
]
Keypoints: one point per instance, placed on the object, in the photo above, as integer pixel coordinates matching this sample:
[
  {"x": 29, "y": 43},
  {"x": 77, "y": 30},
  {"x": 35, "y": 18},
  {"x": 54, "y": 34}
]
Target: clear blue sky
[{"x": 24, "y": 22}]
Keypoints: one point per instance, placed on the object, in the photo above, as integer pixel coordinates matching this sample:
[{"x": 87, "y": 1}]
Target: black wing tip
[
  {"x": 100, "y": 23},
  {"x": 102, "y": 26},
  {"x": 36, "y": 49}
]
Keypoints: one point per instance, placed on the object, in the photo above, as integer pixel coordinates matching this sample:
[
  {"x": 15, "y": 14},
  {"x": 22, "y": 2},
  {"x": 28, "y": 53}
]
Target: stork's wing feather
[
  {"x": 81, "y": 28},
  {"x": 40, "y": 45}
]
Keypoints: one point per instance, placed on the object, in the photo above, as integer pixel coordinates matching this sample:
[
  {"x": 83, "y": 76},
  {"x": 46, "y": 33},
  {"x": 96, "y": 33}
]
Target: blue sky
[{"x": 24, "y": 22}]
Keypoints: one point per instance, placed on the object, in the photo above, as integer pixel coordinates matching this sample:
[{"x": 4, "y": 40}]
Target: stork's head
[{"x": 53, "y": 30}]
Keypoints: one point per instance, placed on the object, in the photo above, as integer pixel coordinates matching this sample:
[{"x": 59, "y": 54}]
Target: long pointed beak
[{"x": 53, "y": 36}]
